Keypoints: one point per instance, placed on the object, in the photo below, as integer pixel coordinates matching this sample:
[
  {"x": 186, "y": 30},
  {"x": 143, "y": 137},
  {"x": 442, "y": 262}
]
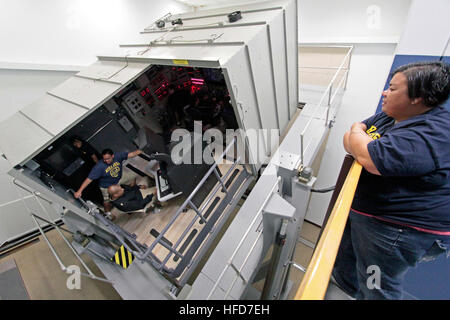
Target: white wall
[
  {"x": 351, "y": 21},
  {"x": 427, "y": 30},
  {"x": 73, "y": 32}
]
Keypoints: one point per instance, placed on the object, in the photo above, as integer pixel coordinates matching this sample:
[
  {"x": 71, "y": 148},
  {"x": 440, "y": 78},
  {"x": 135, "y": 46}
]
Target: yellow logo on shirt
[
  {"x": 113, "y": 169},
  {"x": 372, "y": 133}
]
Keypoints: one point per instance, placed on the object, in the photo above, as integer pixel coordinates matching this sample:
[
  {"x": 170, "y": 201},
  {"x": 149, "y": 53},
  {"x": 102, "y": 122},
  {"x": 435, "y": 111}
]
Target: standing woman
[{"x": 400, "y": 214}]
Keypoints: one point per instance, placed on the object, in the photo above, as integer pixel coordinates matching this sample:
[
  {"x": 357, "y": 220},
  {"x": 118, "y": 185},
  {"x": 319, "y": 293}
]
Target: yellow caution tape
[{"x": 123, "y": 257}]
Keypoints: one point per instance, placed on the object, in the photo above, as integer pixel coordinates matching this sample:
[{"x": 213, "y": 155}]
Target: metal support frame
[
  {"x": 35, "y": 218},
  {"x": 241, "y": 242},
  {"x": 276, "y": 254}
]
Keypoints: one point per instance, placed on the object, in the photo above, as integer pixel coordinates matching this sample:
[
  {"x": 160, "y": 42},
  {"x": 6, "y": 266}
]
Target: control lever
[
  {"x": 81, "y": 199},
  {"x": 92, "y": 208}
]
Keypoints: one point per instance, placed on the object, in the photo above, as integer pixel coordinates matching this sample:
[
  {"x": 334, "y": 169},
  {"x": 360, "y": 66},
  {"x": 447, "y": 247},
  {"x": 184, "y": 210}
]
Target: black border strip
[
  {"x": 155, "y": 233},
  {"x": 210, "y": 209},
  {"x": 230, "y": 180},
  {"x": 186, "y": 243}
]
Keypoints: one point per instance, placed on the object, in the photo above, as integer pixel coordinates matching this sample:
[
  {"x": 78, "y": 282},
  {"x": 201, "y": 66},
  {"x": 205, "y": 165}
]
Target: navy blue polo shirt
[
  {"x": 108, "y": 174},
  {"x": 413, "y": 157}
]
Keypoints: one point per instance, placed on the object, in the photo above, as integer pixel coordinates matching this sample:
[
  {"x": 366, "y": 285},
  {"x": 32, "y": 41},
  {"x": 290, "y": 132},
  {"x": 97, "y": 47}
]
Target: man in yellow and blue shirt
[{"x": 109, "y": 171}]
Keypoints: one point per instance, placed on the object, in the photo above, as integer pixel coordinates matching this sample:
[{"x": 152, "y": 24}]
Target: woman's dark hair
[
  {"x": 427, "y": 80},
  {"x": 107, "y": 151}
]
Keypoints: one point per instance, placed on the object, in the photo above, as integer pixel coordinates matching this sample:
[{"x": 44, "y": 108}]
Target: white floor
[{"x": 369, "y": 69}]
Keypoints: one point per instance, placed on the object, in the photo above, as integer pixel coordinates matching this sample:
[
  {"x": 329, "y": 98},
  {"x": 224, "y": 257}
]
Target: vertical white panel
[
  {"x": 244, "y": 100},
  {"x": 266, "y": 105},
  {"x": 279, "y": 68},
  {"x": 427, "y": 29},
  {"x": 292, "y": 54}
]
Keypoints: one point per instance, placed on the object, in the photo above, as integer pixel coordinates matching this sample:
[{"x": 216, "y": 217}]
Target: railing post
[
  {"x": 301, "y": 148},
  {"x": 329, "y": 104},
  {"x": 193, "y": 206},
  {"x": 186, "y": 202},
  {"x": 348, "y": 69},
  {"x": 224, "y": 188}
]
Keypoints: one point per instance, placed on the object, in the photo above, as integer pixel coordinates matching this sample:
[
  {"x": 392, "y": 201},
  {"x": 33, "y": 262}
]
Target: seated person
[{"x": 129, "y": 199}]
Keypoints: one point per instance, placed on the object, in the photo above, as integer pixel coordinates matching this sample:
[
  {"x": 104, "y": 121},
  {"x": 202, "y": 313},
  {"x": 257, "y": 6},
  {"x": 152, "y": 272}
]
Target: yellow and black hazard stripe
[{"x": 123, "y": 257}]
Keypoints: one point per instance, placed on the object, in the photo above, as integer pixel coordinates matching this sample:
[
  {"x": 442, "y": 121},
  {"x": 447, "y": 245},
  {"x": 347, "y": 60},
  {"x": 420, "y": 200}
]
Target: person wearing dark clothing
[
  {"x": 227, "y": 113},
  {"x": 205, "y": 108},
  {"x": 177, "y": 100},
  {"x": 85, "y": 150},
  {"x": 109, "y": 171},
  {"x": 400, "y": 214},
  {"x": 128, "y": 199}
]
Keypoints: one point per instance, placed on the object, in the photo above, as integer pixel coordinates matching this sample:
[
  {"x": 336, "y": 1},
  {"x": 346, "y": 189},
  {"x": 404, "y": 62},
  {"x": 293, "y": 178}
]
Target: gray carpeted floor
[{"x": 11, "y": 283}]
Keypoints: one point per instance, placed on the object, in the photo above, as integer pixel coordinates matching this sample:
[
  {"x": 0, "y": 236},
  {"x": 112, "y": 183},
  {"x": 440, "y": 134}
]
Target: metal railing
[
  {"x": 315, "y": 281},
  {"x": 241, "y": 242},
  {"x": 328, "y": 93},
  {"x": 35, "y": 218},
  {"x": 143, "y": 253}
]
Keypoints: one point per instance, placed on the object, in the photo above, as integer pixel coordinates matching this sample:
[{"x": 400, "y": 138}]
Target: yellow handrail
[{"x": 315, "y": 282}]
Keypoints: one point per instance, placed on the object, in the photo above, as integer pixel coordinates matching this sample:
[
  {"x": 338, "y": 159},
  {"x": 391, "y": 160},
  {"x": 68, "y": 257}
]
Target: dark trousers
[{"x": 374, "y": 256}]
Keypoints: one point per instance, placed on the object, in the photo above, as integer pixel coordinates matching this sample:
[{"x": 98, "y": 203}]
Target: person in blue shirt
[
  {"x": 108, "y": 172},
  {"x": 400, "y": 214}
]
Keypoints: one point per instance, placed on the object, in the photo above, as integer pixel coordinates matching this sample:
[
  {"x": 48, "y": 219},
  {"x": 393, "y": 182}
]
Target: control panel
[{"x": 134, "y": 102}]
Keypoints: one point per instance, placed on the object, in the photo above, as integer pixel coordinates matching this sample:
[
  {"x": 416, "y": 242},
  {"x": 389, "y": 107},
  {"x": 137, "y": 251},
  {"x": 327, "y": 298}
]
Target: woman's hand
[
  {"x": 355, "y": 143},
  {"x": 358, "y": 126}
]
